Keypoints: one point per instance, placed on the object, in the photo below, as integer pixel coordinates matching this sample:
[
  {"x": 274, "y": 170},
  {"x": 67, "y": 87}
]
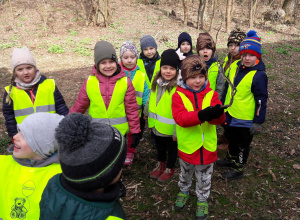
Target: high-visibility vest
[
  {"x": 192, "y": 138},
  {"x": 115, "y": 115},
  {"x": 243, "y": 105},
  {"x": 44, "y": 100},
  {"x": 226, "y": 58},
  {"x": 212, "y": 75},
  {"x": 139, "y": 84},
  {"x": 140, "y": 63},
  {"x": 22, "y": 187},
  {"x": 160, "y": 115},
  {"x": 230, "y": 67}
]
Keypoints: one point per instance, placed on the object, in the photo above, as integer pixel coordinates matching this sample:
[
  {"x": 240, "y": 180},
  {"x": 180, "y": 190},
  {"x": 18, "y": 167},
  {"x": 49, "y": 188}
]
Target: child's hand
[
  {"x": 255, "y": 129},
  {"x": 174, "y": 138}
]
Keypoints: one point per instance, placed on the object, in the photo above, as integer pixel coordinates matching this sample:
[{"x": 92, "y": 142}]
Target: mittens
[
  {"x": 210, "y": 113},
  {"x": 135, "y": 140},
  {"x": 255, "y": 129}
]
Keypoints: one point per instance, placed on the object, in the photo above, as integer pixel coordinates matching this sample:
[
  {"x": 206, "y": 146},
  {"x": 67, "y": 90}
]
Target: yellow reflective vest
[
  {"x": 192, "y": 138},
  {"x": 160, "y": 115},
  {"x": 22, "y": 187},
  {"x": 115, "y": 115},
  {"x": 243, "y": 105},
  {"x": 139, "y": 84},
  {"x": 212, "y": 75},
  {"x": 44, "y": 100},
  {"x": 140, "y": 63}
]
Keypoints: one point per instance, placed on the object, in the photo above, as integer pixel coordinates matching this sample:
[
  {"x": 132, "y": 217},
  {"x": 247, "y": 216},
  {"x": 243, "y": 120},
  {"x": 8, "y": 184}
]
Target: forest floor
[{"x": 63, "y": 50}]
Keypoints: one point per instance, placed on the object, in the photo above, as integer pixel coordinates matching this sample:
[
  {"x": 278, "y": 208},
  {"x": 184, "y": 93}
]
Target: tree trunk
[
  {"x": 253, "y": 4},
  {"x": 201, "y": 10},
  {"x": 289, "y": 7},
  {"x": 214, "y": 2},
  {"x": 229, "y": 9},
  {"x": 185, "y": 12}
]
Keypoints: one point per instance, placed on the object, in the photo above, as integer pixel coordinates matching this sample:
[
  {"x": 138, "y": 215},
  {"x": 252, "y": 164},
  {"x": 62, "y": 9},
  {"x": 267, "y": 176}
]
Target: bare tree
[
  {"x": 214, "y": 3},
  {"x": 229, "y": 10},
  {"x": 201, "y": 10},
  {"x": 185, "y": 12},
  {"x": 289, "y": 6},
  {"x": 253, "y": 4}
]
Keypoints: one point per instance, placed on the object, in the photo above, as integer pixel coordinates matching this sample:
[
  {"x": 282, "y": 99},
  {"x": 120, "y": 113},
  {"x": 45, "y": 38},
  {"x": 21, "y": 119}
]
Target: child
[
  {"x": 149, "y": 61},
  {"x": 159, "y": 113},
  {"x": 25, "y": 173},
  {"x": 206, "y": 48},
  {"x": 234, "y": 40},
  {"x": 248, "y": 110},
  {"x": 129, "y": 56},
  {"x": 196, "y": 111},
  {"x": 29, "y": 92},
  {"x": 109, "y": 94},
  {"x": 91, "y": 156}
]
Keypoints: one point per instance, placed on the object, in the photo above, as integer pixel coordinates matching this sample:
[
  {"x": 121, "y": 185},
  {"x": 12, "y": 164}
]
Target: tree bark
[
  {"x": 253, "y": 4},
  {"x": 185, "y": 12},
  {"x": 214, "y": 2},
  {"x": 229, "y": 10},
  {"x": 289, "y": 7},
  {"x": 201, "y": 10}
]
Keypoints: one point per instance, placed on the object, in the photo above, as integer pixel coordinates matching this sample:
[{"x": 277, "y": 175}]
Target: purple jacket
[{"x": 107, "y": 85}]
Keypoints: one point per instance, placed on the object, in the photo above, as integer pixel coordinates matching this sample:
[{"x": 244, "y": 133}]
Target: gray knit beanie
[
  {"x": 104, "y": 50},
  {"x": 21, "y": 56},
  {"x": 128, "y": 45},
  {"x": 38, "y": 130},
  {"x": 147, "y": 41},
  {"x": 91, "y": 154}
]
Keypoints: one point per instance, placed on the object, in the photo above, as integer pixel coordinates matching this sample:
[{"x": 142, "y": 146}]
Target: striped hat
[{"x": 251, "y": 44}]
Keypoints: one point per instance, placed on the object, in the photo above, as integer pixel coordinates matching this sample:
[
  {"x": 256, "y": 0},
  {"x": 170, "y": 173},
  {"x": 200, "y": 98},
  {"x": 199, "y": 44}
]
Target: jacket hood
[{"x": 103, "y": 78}]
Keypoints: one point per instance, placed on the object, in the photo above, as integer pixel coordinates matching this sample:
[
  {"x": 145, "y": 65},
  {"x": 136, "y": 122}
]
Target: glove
[
  {"x": 180, "y": 54},
  {"x": 205, "y": 115},
  {"x": 216, "y": 111},
  {"x": 255, "y": 129},
  {"x": 135, "y": 140}
]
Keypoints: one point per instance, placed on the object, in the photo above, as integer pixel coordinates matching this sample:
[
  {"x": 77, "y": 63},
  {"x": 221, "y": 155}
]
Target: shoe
[
  {"x": 202, "y": 211},
  {"x": 234, "y": 173},
  {"x": 166, "y": 175},
  {"x": 226, "y": 162},
  {"x": 158, "y": 170},
  {"x": 181, "y": 201},
  {"x": 129, "y": 159}
]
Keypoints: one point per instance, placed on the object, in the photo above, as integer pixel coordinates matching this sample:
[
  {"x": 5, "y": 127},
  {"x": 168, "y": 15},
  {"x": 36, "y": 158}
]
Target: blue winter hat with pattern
[
  {"x": 147, "y": 41},
  {"x": 251, "y": 44}
]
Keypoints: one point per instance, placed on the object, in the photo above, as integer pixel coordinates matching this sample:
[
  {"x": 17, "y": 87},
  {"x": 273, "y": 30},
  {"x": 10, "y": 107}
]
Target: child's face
[
  {"x": 25, "y": 72},
  {"x": 149, "y": 52},
  {"x": 249, "y": 60},
  {"x": 196, "y": 82},
  {"x": 168, "y": 72},
  {"x": 233, "y": 49},
  {"x": 128, "y": 59},
  {"x": 107, "y": 67},
  {"x": 185, "y": 47},
  {"x": 22, "y": 150},
  {"x": 205, "y": 53}
]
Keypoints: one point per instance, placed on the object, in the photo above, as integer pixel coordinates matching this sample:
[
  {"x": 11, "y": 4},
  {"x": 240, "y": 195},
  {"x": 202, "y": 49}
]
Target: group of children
[{"x": 179, "y": 93}]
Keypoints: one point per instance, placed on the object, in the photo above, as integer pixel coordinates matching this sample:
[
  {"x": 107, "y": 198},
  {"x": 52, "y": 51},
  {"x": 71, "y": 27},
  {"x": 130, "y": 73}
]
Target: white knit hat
[{"x": 21, "y": 56}]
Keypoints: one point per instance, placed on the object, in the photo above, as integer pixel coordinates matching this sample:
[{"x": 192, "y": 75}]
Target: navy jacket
[
  {"x": 260, "y": 92},
  {"x": 8, "y": 110}
]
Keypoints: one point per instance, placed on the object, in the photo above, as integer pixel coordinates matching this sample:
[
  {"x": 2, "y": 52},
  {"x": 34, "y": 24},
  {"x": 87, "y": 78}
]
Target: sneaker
[
  {"x": 226, "y": 162},
  {"x": 234, "y": 173},
  {"x": 129, "y": 159},
  {"x": 166, "y": 175},
  {"x": 202, "y": 211},
  {"x": 180, "y": 201},
  {"x": 158, "y": 170}
]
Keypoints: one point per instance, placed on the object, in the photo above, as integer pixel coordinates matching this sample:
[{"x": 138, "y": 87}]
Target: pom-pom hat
[
  {"x": 91, "y": 154},
  {"x": 192, "y": 66},
  {"x": 251, "y": 44}
]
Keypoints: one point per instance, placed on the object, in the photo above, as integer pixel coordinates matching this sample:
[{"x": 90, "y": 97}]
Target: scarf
[{"x": 20, "y": 84}]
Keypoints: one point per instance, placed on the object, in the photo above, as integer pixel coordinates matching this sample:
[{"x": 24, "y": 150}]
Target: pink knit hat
[{"x": 21, "y": 56}]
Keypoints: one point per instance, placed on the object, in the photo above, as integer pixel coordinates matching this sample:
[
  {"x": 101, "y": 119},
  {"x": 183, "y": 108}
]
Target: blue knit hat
[
  {"x": 251, "y": 44},
  {"x": 184, "y": 37},
  {"x": 148, "y": 41}
]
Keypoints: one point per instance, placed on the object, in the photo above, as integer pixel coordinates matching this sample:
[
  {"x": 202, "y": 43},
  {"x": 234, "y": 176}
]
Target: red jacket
[
  {"x": 186, "y": 119},
  {"x": 107, "y": 85}
]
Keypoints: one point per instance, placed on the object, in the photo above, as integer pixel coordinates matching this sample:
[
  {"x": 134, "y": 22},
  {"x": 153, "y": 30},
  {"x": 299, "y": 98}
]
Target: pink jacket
[{"x": 107, "y": 85}]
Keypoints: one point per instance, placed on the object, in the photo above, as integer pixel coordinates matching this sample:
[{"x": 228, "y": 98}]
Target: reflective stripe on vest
[
  {"x": 243, "y": 105},
  {"x": 160, "y": 115},
  {"x": 115, "y": 115},
  {"x": 22, "y": 187},
  {"x": 139, "y": 84},
  {"x": 189, "y": 138},
  {"x": 44, "y": 100},
  {"x": 140, "y": 63},
  {"x": 213, "y": 72}
]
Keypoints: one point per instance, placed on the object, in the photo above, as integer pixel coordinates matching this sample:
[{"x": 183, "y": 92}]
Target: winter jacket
[
  {"x": 8, "y": 109},
  {"x": 259, "y": 89},
  {"x": 187, "y": 119},
  {"x": 61, "y": 201},
  {"x": 107, "y": 85},
  {"x": 132, "y": 74}
]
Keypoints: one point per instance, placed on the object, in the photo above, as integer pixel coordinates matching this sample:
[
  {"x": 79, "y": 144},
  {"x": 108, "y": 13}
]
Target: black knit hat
[
  {"x": 184, "y": 37},
  {"x": 91, "y": 154},
  {"x": 171, "y": 58},
  {"x": 236, "y": 36}
]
